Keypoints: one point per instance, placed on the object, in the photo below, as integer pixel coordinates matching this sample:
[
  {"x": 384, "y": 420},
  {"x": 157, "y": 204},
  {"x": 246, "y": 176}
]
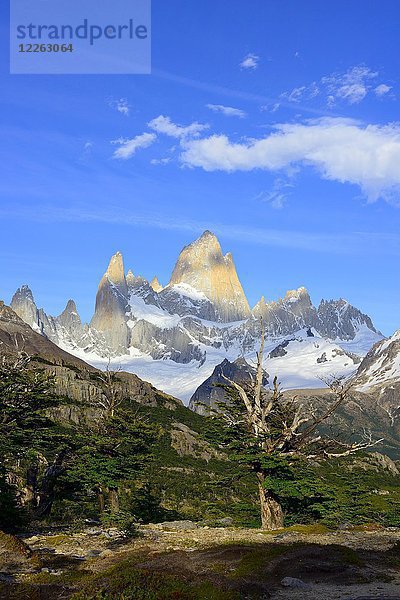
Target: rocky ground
[{"x": 182, "y": 560}]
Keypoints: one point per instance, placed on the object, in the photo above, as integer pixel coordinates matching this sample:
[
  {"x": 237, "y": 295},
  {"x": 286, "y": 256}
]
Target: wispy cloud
[
  {"x": 341, "y": 243},
  {"x": 277, "y": 196},
  {"x": 341, "y": 150},
  {"x": 382, "y": 90},
  {"x": 250, "y": 62},
  {"x": 261, "y": 99},
  {"x": 350, "y": 87},
  {"x": 128, "y": 147},
  {"x": 166, "y": 126},
  {"x": 304, "y": 92},
  {"x": 161, "y": 161},
  {"x": 87, "y": 147},
  {"x": 228, "y": 111}
]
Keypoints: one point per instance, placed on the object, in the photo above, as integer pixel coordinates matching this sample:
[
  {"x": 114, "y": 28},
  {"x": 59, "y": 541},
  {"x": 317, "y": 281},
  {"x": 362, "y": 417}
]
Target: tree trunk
[
  {"x": 101, "y": 500},
  {"x": 114, "y": 500},
  {"x": 271, "y": 510},
  {"x": 49, "y": 479}
]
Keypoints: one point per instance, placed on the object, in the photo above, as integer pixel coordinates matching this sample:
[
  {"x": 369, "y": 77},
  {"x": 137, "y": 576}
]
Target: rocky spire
[
  {"x": 115, "y": 272},
  {"x": 156, "y": 285},
  {"x": 23, "y": 303},
  {"x": 70, "y": 319},
  {"x": 130, "y": 278},
  {"x": 202, "y": 266},
  {"x": 111, "y": 304}
]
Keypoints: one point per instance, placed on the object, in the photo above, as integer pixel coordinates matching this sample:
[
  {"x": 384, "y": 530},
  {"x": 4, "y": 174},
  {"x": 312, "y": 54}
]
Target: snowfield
[{"x": 308, "y": 362}]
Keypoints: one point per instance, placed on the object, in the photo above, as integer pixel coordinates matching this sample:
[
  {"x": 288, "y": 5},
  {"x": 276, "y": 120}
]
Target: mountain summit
[
  {"x": 202, "y": 266},
  {"x": 111, "y": 300}
]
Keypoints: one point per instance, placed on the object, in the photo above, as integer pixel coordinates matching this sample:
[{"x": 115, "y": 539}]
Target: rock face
[
  {"x": 24, "y": 305},
  {"x": 71, "y": 320},
  {"x": 379, "y": 375},
  {"x": 202, "y": 267},
  {"x": 382, "y": 363},
  {"x": 187, "y": 442},
  {"x": 156, "y": 285},
  {"x": 289, "y": 314},
  {"x": 335, "y": 319},
  {"x": 210, "y": 392},
  {"x": 339, "y": 319},
  {"x": 17, "y": 336},
  {"x": 111, "y": 306}
]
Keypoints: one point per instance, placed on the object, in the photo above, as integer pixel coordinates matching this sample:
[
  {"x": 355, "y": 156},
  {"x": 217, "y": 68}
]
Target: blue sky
[{"x": 272, "y": 123}]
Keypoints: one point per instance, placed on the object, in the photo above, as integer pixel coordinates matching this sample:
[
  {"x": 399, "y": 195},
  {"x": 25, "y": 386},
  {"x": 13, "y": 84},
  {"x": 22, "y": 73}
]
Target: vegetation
[{"x": 120, "y": 467}]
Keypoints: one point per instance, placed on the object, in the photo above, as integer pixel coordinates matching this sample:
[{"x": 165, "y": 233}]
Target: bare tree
[
  {"x": 285, "y": 427},
  {"x": 112, "y": 396}
]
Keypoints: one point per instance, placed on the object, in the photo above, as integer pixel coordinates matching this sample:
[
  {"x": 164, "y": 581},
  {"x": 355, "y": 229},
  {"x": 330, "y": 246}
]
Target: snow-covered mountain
[
  {"x": 174, "y": 336},
  {"x": 381, "y": 366},
  {"x": 379, "y": 374}
]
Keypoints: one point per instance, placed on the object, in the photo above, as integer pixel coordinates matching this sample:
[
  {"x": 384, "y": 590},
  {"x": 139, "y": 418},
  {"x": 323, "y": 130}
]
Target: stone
[
  {"x": 294, "y": 583},
  {"x": 177, "y": 526},
  {"x": 92, "y": 553},
  {"x": 16, "y": 556},
  {"x": 225, "y": 522}
]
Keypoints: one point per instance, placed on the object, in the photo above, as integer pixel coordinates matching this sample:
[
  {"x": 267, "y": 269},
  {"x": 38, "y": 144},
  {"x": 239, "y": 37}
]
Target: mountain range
[{"x": 175, "y": 335}]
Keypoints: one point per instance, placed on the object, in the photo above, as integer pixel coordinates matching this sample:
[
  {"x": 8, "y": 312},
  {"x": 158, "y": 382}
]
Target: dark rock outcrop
[{"x": 211, "y": 392}]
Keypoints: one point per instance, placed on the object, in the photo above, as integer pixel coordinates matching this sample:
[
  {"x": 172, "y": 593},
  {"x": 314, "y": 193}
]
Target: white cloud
[
  {"x": 127, "y": 148},
  {"x": 340, "y": 149},
  {"x": 382, "y": 90},
  {"x": 250, "y": 62},
  {"x": 164, "y": 125},
  {"x": 121, "y": 105},
  {"x": 228, "y": 111},
  {"x": 160, "y": 161},
  {"x": 351, "y": 86}
]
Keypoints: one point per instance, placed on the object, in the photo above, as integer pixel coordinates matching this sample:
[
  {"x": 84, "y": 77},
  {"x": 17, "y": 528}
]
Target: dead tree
[
  {"x": 286, "y": 428},
  {"x": 112, "y": 396}
]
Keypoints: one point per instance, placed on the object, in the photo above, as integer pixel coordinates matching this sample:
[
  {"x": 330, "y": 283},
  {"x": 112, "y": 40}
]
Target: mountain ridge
[{"x": 185, "y": 329}]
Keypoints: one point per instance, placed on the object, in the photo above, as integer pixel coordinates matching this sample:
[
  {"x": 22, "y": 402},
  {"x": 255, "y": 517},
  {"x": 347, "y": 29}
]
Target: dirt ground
[{"x": 327, "y": 565}]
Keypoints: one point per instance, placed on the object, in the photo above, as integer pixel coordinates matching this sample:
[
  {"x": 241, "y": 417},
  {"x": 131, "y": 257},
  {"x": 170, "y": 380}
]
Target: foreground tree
[
  {"x": 267, "y": 432},
  {"x": 113, "y": 449},
  {"x": 111, "y": 453},
  {"x": 32, "y": 447}
]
